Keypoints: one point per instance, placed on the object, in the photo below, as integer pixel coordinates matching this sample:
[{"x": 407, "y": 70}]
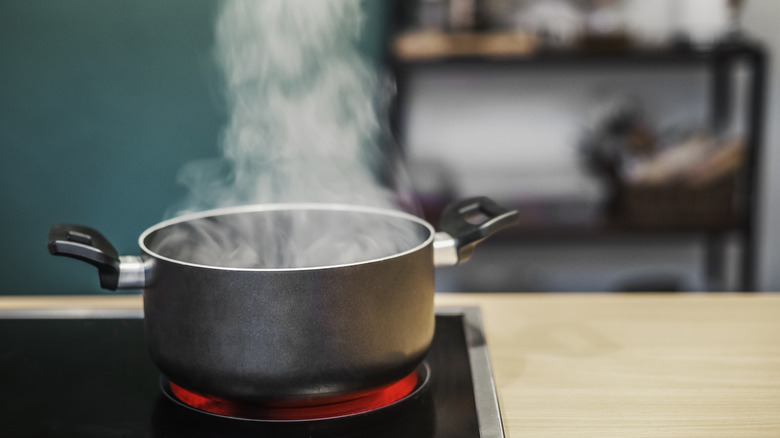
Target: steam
[
  {"x": 287, "y": 238},
  {"x": 306, "y": 124},
  {"x": 306, "y": 116}
]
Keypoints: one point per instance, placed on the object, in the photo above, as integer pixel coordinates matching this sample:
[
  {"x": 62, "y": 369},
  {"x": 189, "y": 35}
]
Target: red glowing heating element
[{"x": 289, "y": 411}]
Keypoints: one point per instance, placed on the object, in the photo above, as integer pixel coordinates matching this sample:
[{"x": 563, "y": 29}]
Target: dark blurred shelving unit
[{"x": 721, "y": 62}]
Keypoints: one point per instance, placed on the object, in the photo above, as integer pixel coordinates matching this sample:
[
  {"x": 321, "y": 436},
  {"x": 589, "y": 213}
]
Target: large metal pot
[{"x": 271, "y": 332}]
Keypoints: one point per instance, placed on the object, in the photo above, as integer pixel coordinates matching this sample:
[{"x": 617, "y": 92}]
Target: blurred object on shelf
[
  {"x": 463, "y": 15},
  {"x": 695, "y": 162},
  {"x": 593, "y": 25},
  {"x": 555, "y": 23},
  {"x": 432, "y": 15},
  {"x": 651, "y": 23},
  {"x": 605, "y": 29},
  {"x": 605, "y": 17},
  {"x": 497, "y": 15},
  {"x": 617, "y": 133},
  {"x": 423, "y": 45},
  {"x": 589, "y": 25},
  {"x": 670, "y": 181},
  {"x": 735, "y": 31},
  {"x": 726, "y": 160},
  {"x": 701, "y": 23},
  {"x": 679, "y": 206},
  {"x": 693, "y": 184}
]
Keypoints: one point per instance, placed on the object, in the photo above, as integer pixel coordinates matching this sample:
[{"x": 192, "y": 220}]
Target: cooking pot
[{"x": 261, "y": 328}]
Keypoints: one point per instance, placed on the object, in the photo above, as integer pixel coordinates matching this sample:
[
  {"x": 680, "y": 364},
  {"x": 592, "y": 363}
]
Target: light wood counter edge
[
  {"x": 133, "y": 301},
  {"x": 71, "y": 302}
]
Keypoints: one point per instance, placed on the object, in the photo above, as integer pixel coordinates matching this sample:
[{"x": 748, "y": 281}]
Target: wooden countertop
[{"x": 576, "y": 365}]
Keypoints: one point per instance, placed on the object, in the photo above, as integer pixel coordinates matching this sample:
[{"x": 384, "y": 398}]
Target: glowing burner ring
[{"x": 320, "y": 409}]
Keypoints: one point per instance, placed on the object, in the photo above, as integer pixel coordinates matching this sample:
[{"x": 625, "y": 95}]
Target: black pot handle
[
  {"x": 88, "y": 245},
  {"x": 472, "y": 220}
]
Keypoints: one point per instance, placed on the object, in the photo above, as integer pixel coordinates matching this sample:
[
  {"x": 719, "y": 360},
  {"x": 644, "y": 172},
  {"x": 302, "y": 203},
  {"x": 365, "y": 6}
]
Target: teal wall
[{"x": 101, "y": 103}]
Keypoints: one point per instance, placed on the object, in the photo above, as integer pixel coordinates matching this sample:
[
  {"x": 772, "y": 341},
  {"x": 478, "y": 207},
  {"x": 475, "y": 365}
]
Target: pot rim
[{"x": 279, "y": 207}]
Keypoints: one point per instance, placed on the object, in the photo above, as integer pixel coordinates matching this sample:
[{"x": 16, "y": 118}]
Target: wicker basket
[{"x": 679, "y": 206}]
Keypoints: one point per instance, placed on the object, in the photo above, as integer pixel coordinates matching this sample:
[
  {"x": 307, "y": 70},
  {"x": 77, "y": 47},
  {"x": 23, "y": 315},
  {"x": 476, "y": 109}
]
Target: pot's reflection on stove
[{"x": 412, "y": 417}]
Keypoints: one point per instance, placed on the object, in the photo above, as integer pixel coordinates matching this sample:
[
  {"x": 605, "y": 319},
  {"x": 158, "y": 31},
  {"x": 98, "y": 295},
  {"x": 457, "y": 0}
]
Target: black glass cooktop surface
[{"x": 91, "y": 376}]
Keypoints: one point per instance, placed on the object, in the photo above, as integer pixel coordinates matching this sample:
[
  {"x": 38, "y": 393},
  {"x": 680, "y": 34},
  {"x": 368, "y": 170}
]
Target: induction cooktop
[{"x": 78, "y": 373}]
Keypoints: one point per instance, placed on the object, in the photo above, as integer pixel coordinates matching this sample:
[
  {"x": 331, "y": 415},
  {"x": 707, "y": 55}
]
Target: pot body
[
  {"x": 272, "y": 335},
  {"x": 276, "y": 334},
  {"x": 287, "y": 301}
]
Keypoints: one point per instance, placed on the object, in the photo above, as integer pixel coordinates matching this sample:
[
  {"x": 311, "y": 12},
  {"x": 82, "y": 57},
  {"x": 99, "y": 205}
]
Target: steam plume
[
  {"x": 306, "y": 113},
  {"x": 306, "y": 125}
]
